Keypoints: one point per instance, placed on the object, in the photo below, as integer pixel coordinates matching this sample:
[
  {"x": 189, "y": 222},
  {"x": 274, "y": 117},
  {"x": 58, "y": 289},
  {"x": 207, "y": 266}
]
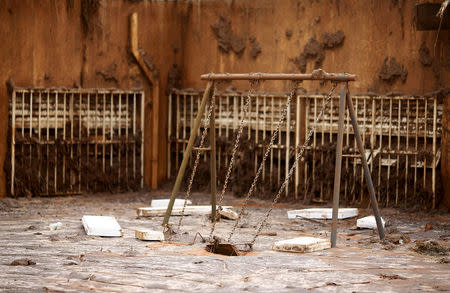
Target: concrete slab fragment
[
  {"x": 149, "y": 235},
  {"x": 322, "y": 213},
  {"x": 302, "y": 244},
  {"x": 228, "y": 214},
  {"x": 102, "y": 226},
  {"x": 163, "y": 203},
  {"x": 176, "y": 211},
  {"x": 368, "y": 223}
]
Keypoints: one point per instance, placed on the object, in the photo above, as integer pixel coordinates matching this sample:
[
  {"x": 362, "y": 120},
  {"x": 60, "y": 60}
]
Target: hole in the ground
[{"x": 223, "y": 249}]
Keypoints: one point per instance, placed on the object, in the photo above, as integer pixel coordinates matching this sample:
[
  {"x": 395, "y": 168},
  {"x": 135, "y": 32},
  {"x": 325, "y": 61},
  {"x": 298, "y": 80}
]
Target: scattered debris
[
  {"x": 322, "y": 213},
  {"x": 149, "y": 235},
  {"x": 368, "y": 223},
  {"x": 391, "y": 277},
  {"x": 431, "y": 248},
  {"x": 392, "y": 70},
  {"x": 130, "y": 252},
  {"x": 396, "y": 239},
  {"x": 55, "y": 226},
  {"x": 269, "y": 233},
  {"x": 228, "y": 214},
  {"x": 302, "y": 244},
  {"x": 22, "y": 262},
  {"x": 102, "y": 226}
]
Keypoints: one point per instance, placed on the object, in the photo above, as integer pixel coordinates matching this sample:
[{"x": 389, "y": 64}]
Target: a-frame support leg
[
  {"x": 187, "y": 152},
  {"x": 345, "y": 98}
]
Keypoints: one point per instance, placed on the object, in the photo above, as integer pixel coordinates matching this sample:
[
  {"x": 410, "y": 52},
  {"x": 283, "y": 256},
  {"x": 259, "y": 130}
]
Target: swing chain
[
  {"x": 266, "y": 154},
  {"x": 197, "y": 156},
  {"x": 294, "y": 165},
  {"x": 253, "y": 84}
]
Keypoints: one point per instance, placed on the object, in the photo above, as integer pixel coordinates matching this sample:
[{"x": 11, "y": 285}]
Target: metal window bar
[
  {"x": 61, "y": 139},
  {"x": 388, "y": 126}
]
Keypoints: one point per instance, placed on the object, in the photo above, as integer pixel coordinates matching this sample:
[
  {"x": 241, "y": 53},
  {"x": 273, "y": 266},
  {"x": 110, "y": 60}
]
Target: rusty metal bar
[
  {"x": 316, "y": 75},
  {"x": 213, "y": 168},
  {"x": 366, "y": 170},
  {"x": 337, "y": 170}
]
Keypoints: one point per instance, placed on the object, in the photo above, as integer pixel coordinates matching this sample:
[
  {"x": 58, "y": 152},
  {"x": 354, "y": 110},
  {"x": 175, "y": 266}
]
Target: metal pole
[
  {"x": 187, "y": 152},
  {"x": 337, "y": 170},
  {"x": 212, "y": 138},
  {"x": 317, "y": 74},
  {"x": 373, "y": 201}
]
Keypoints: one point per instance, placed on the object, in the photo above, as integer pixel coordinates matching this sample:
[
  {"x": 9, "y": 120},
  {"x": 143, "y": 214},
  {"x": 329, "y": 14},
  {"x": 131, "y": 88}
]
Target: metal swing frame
[{"x": 344, "y": 101}]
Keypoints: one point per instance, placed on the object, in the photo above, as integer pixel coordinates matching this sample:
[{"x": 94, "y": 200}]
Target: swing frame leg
[
  {"x": 343, "y": 100},
  {"x": 338, "y": 165},
  {"x": 187, "y": 152},
  {"x": 212, "y": 140}
]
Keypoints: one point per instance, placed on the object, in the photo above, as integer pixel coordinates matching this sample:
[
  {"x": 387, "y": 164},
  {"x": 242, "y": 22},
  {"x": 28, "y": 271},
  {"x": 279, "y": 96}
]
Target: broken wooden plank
[
  {"x": 368, "y": 223},
  {"x": 163, "y": 203},
  {"x": 102, "y": 226},
  {"x": 176, "y": 211},
  {"x": 322, "y": 213},
  {"x": 149, "y": 235},
  {"x": 302, "y": 244}
]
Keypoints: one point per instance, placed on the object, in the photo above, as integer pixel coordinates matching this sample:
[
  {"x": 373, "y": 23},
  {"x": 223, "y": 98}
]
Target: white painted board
[
  {"x": 149, "y": 235},
  {"x": 102, "y": 226},
  {"x": 368, "y": 223},
  {"x": 176, "y": 211},
  {"x": 164, "y": 203},
  {"x": 302, "y": 244},
  {"x": 322, "y": 213}
]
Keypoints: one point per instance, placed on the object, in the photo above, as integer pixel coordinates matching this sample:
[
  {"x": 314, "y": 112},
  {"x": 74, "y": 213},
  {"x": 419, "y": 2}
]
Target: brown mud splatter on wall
[
  {"x": 89, "y": 8},
  {"x": 424, "y": 55},
  {"x": 227, "y": 39},
  {"x": 315, "y": 50},
  {"x": 288, "y": 34},
  {"x": 333, "y": 40},
  {"x": 173, "y": 78},
  {"x": 256, "y": 48},
  {"x": 109, "y": 74},
  {"x": 391, "y": 70}
]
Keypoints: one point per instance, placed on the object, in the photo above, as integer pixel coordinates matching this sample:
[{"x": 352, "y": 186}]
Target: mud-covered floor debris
[{"x": 69, "y": 260}]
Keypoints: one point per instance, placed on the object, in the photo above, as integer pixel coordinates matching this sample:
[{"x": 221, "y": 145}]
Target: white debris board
[
  {"x": 176, "y": 211},
  {"x": 322, "y": 213},
  {"x": 368, "y": 223},
  {"x": 102, "y": 226},
  {"x": 302, "y": 244},
  {"x": 164, "y": 203},
  {"x": 150, "y": 235}
]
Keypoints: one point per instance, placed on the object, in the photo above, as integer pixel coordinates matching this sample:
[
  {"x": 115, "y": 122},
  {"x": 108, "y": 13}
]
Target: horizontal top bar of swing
[{"x": 341, "y": 77}]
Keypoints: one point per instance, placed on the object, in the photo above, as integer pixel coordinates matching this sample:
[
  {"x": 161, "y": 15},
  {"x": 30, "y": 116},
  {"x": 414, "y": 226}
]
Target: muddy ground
[{"x": 33, "y": 258}]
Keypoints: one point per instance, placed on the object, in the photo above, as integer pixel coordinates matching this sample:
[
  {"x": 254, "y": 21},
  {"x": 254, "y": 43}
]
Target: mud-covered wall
[
  {"x": 377, "y": 40},
  {"x": 85, "y": 43}
]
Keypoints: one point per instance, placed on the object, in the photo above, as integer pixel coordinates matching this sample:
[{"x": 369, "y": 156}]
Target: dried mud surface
[{"x": 70, "y": 261}]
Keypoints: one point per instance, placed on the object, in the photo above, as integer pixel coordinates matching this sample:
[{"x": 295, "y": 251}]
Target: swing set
[{"x": 216, "y": 244}]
